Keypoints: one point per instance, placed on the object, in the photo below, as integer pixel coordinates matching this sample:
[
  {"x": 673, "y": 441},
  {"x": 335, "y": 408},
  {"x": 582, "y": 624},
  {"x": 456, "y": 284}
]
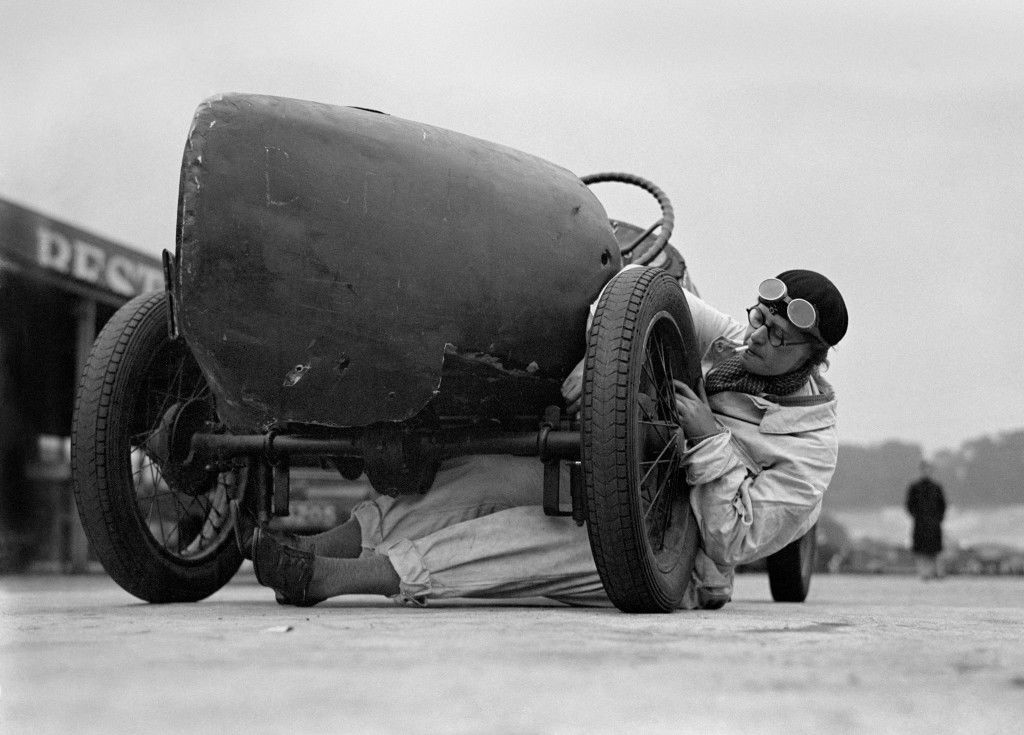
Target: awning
[{"x": 81, "y": 261}]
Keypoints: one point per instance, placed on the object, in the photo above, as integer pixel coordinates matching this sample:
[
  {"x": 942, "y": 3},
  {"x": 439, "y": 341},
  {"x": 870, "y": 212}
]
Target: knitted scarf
[{"x": 731, "y": 375}]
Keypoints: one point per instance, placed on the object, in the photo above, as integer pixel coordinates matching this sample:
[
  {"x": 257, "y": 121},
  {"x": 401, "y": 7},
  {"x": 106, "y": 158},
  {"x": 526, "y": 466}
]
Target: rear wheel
[
  {"x": 790, "y": 568},
  {"x": 161, "y": 529},
  {"x": 642, "y": 532}
]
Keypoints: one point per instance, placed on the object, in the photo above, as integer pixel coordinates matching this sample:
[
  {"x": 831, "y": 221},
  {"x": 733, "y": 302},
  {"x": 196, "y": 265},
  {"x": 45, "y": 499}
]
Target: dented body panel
[{"x": 341, "y": 267}]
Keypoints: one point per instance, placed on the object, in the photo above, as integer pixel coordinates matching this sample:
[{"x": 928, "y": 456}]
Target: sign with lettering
[{"x": 29, "y": 238}]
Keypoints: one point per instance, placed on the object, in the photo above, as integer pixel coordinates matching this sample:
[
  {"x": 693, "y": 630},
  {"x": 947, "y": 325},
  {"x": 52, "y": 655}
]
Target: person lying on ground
[{"x": 758, "y": 443}]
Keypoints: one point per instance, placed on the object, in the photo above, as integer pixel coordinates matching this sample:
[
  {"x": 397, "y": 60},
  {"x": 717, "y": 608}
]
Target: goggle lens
[
  {"x": 800, "y": 312},
  {"x": 771, "y": 289}
]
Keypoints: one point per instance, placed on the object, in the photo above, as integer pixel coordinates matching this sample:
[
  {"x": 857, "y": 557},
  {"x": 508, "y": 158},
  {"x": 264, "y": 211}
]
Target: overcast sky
[{"x": 878, "y": 142}]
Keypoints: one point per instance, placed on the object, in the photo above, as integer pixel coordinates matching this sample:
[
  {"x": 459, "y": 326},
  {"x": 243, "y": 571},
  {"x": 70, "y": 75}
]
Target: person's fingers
[
  {"x": 572, "y": 386},
  {"x": 573, "y": 380},
  {"x": 684, "y": 404},
  {"x": 683, "y": 389}
]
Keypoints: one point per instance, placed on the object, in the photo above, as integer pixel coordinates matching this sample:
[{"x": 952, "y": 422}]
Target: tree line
[{"x": 988, "y": 470}]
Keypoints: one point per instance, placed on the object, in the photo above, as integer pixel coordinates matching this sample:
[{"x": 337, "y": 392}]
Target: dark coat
[{"x": 927, "y": 505}]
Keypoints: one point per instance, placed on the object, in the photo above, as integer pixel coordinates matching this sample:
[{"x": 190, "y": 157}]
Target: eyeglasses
[
  {"x": 800, "y": 312},
  {"x": 775, "y": 336}
]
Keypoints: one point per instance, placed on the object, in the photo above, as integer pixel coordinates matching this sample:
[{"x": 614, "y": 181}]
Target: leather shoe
[{"x": 286, "y": 570}]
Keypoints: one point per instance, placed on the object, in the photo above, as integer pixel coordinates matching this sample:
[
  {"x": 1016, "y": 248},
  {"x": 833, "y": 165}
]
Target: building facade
[{"x": 58, "y": 286}]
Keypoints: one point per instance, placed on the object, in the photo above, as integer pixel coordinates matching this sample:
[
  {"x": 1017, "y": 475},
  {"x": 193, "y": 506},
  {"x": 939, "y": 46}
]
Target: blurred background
[{"x": 878, "y": 142}]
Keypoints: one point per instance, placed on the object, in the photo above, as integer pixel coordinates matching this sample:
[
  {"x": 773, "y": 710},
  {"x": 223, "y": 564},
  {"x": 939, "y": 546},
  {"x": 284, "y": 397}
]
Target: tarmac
[{"x": 864, "y": 654}]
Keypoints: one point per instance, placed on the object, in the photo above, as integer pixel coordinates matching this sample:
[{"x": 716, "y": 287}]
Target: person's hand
[
  {"x": 572, "y": 389},
  {"x": 694, "y": 413}
]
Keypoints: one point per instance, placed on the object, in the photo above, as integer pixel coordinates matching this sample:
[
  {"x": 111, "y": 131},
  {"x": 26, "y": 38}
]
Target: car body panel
[{"x": 341, "y": 267}]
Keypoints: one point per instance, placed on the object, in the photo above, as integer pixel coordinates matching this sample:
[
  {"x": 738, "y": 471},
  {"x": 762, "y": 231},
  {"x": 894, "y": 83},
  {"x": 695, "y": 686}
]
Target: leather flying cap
[{"x": 824, "y": 296}]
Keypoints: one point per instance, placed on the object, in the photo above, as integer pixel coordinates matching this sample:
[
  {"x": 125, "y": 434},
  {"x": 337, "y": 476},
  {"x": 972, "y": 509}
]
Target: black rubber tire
[
  {"x": 133, "y": 374},
  {"x": 790, "y": 568},
  {"x": 641, "y": 337}
]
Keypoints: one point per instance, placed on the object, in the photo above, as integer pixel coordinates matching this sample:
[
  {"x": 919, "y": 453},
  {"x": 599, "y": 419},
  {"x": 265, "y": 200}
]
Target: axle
[{"x": 546, "y": 444}]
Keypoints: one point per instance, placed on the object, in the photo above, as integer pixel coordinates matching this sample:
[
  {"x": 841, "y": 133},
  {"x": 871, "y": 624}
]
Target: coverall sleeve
[
  {"x": 709, "y": 323},
  {"x": 746, "y": 514}
]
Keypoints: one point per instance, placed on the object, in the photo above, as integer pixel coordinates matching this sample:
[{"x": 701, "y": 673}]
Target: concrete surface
[{"x": 863, "y": 655}]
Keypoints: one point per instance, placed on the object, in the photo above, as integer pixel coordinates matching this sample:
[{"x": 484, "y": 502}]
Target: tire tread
[{"x": 107, "y": 508}]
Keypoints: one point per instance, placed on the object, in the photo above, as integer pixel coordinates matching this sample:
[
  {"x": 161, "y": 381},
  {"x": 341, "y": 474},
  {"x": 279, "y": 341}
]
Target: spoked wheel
[
  {"x": 163, "y": 530},
  {"x": 790, "y": 568},
  {"x": 642, "y": 532}
]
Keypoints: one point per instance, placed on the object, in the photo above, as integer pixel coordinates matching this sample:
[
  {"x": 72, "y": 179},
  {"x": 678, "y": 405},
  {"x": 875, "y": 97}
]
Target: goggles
[{"x": 800, "y": 312}]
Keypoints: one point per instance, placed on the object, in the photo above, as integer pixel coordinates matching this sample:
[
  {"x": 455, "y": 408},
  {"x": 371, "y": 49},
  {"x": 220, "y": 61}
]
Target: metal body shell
[{"x": 341, "y": 267}]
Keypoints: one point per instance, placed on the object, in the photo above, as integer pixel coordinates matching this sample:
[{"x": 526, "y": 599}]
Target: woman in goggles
[
  {"x": 797, "y": 317},
  {"x": 782, "y": 333},
  {"x": 760, "y": 440}
]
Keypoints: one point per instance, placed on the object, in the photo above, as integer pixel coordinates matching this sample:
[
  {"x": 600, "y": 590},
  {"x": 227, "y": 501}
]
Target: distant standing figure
[{"x": 927, "y": 505}]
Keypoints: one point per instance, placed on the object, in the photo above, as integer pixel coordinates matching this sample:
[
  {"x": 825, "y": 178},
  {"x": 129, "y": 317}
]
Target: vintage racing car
[{"x": 357, "y": 291}]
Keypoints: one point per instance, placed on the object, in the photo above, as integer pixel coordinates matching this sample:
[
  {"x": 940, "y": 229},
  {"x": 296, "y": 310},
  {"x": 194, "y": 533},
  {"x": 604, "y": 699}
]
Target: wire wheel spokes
[
  {"x": 188, "y": 520},
  {"x": 643, "y": 534},
  {"x": 162, "y": 528},
  {"x": 659, "y": 461}
]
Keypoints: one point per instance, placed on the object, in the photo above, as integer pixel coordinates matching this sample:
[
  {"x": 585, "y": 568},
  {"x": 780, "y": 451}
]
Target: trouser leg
[
  {"x": 518, "y": 552},
  {"x": 480, "y": 532},
  {"x": 710, "y": 584},
  {"x": 465, "y": 488}
]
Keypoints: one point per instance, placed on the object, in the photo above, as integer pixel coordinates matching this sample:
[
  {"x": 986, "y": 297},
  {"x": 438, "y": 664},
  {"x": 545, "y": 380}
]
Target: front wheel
[
  {"x": 162, "y": 530},
  {"x": 790, "y": 568},
  {"x": 643, "y": 534}
]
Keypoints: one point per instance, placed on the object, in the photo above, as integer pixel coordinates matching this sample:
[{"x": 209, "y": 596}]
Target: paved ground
[{"x": 863, "y": 655}]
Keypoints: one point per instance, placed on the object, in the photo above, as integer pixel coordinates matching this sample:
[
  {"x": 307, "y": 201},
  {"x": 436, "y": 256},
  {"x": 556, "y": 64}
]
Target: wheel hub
[{"x": 170, "y": 445}]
